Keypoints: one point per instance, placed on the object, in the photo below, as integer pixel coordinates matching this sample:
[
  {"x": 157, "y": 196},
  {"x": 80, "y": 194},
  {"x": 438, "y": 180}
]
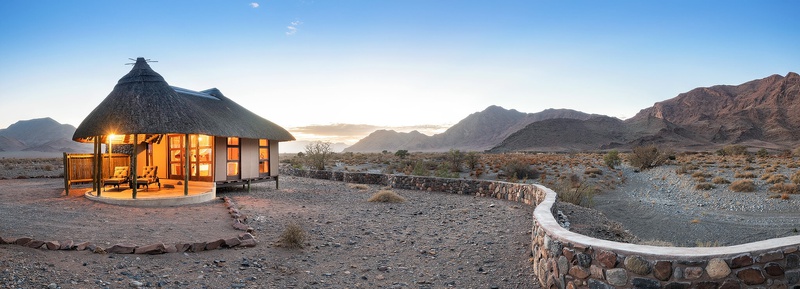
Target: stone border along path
[
  {"x": 563, "y": 259},
  {"x": 243, "y": 240}
]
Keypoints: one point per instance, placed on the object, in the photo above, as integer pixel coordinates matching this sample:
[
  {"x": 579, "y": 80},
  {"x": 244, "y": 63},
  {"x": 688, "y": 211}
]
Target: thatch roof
[{"x": 143, "y": 103}]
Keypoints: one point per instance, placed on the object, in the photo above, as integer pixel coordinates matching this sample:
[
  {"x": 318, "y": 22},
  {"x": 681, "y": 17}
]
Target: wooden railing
[{"x": 78, "y": 167}]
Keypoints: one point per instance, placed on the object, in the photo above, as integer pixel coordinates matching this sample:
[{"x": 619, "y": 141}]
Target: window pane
[
  {"x": 233, "y": 169},
  {"x": 233, "y": 141},
  {"x": 263, "y": 153},
  {"x": 204, "y": 140},
  {"x": 263, "y": 167},
  {"x": 263, "y": 142},
  {"x": 233, "y": 154}
]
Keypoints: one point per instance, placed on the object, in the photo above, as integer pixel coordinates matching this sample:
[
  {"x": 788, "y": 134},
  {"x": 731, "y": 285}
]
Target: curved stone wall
[{"x": 563, "y": 259}]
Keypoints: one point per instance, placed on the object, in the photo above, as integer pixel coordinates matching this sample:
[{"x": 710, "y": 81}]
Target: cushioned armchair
[
  {"x": 120, "y": 176},
  {"x": 149, "y": 176}
]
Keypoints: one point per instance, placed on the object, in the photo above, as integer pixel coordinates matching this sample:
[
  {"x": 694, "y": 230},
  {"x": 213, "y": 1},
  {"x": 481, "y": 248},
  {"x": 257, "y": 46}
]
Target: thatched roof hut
[
  {"x": 209, "y": 137},
  {"x": 143, "y": 103}
]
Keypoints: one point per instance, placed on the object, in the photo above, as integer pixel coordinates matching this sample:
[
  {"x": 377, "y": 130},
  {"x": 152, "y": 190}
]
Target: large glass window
[
  {"x": 263, "y": 157},
  {"x": 233, "y": 157}
]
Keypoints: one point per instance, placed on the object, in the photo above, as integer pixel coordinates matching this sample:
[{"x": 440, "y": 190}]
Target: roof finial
[{"x": 142, "y": 58}]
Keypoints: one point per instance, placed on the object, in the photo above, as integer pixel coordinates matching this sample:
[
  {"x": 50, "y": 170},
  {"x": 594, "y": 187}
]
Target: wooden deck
[{"x": 170, "y": 194}]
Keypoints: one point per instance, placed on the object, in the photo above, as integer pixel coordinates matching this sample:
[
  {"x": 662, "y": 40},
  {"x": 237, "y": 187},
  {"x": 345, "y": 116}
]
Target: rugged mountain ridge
[
  {"x": 760, "y": 113},
  {"x": 41, "y": 134},
  {"x": 478, "y": 131}
]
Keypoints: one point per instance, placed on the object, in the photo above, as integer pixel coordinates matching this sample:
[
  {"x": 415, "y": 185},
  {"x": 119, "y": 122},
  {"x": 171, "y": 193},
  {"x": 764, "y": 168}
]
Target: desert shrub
[
  {"x": 455, "y": 158},
  {"x": 358, "y": 186},
  {"x": 704, "y": 186},
  {"x": 612, "y": 159},
  {"x": 742, "y": 186},
  {"x": 685, "y": 169},
  {"x": 573, "y": 190},
  {"x": 593, "y": 171},
  {"x": 744, "y": 175},
  {"x": 796, "y": 152},
  {"x": 292, "y": 237},
  {"x": 420, "y": 169},
  {"x": 444, "y": 171},
  {"x": 732, "y": 150},
  {"x": 796, "y": 177},
  {"x": 645, "y": 157},
  {"x": 784, "y": 188},
  {"x": 776, "y": 178},
  {"x": 720, "y": 181},
  {"x": 472, "y": 159},
  {"x": 386, "y": 196},
  {"x": 762, "y": 153},
  {"x": 518, "y": 169},
  {"x": 401, "y": 154}
]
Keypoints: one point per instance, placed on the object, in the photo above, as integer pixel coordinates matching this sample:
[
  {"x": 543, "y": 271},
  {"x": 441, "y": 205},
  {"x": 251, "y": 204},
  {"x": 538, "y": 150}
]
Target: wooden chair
[
  {"x": 149, "y": 176},
  {"x": 120, "y": 176}
]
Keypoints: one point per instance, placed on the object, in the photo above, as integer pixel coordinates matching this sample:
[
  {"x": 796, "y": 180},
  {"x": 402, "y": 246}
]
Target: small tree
[
  {"x": 645, "y": 157},
  {"x": 472, "y": 160},
  {"x": 612, "y": 159},
  {"x": 401, "y": 154},
  {"x": 317, "y": 153},
  {"x": 455, "y": 158}
]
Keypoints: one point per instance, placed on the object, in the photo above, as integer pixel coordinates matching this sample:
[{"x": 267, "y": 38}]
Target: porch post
[
  {"x": 96, "y": 167},
  {"x": 133, "y": 164},
  {"x": 186, "y": 171}
]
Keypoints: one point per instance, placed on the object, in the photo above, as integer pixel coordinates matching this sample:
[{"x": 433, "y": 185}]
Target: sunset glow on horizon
[{"x": 339, "y": 70}]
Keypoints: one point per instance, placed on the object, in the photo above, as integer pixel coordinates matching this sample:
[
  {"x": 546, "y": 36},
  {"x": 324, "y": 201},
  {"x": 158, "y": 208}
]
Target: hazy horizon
[{"x": 333, "y": 70}]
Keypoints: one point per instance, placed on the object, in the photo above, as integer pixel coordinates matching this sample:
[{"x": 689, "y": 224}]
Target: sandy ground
[
  {"x": 660, "y": 205},
  {"x": 433, "y": 240}
]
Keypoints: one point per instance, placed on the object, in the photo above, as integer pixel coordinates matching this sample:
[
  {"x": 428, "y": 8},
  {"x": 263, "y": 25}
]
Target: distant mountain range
[
  {"x": 762, "y": 113},
  {"x": 41, "y": 135}
]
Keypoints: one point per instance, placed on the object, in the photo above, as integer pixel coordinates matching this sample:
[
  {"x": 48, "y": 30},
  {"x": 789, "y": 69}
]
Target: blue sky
[{"x": 338, "y": 70}]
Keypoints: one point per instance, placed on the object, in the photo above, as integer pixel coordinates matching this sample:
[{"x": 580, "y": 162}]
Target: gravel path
[
  {"x": 658, "y": 204},
  {"x": 433, "y": 240}
]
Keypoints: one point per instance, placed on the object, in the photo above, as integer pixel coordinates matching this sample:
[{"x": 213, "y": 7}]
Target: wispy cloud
[
  {"x": 254, "y": 4},
  {"x": 292, "y": 28}
]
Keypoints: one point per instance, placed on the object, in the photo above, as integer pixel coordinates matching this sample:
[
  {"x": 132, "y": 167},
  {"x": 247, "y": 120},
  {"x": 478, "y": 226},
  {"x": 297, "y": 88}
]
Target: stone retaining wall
[{"x": 564, "y": 259}]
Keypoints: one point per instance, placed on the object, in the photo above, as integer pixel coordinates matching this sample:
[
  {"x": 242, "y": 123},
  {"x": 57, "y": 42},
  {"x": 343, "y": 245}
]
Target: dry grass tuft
[
  {"x": 708, "y": 244},
  {"x": 704, "y": 186},
  {"x": 358, "y": 186},
  {"x": 386, "y": 196},
  {"x": 744, "y": 175},
  {"x": 695, "y": 221},
  {"x": 742, "y": 186},
  {"x": 796, "y": 178},
  {"x": 720, "y": 181},
  {"x": 776, "y": 178},
  {"x": 784, "y": 188},
  {"x": 293, "y": 237}
]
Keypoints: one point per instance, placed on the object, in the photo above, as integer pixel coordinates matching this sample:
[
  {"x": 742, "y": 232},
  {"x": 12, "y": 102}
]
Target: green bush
[{"x": 612, "y": 159}]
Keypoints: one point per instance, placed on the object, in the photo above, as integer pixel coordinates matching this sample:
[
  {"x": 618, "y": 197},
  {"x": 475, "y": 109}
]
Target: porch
[{"x": 171, "y": 194}]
